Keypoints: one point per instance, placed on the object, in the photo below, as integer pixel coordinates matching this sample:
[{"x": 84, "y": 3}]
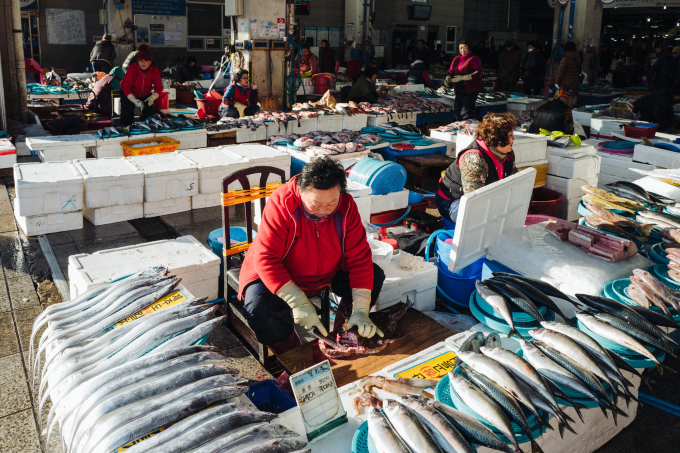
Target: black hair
[
  {"x": 533, "y": 44},
  {"x": 421, "y": 40},
  {"x": 322, "y": 174},
  {"x": 306, "y": 46},
  {"x": 325, "y": 41},
  {"x": 464, "y": 42},
  {"x": 191, "y": 59},
  {"x": 569, "y": 46},
  {"x": 239, "y": 75},
  {"x": 370, "y": 71}
]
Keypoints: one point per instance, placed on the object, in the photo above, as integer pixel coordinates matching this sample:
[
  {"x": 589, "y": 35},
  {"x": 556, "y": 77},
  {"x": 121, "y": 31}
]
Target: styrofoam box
[
  {"x": 258, "y": 155},
  {"x": 213, "y": 164},
  {"x": 62, "y": 153},
  {"x": 306, "y": 126},
  {"x": 60, "y": 141},
  {"x": 172, "y": 93},
  {"x": 112, "y": 181},
  {"x": 605, "y": 125},
  {"x": 357, "y": 190},
  {"x": 529, "y": 147},
  {"x": 354, "y": 122},
  {"x": 167, "y": 207},
  {"x": 570, "y": 188},
  {"x": 568, "y": 210},
  {"x": 23, "y": 149},
  {"x": 304, "y": 157},
  {"x": 330, "y": 123},
  {"x": 245, "y": 135},
  {"x": 8, "y": 155},
  {"x": 47, "y": 188},
  {"x": 50, "y": 223},
  {"x": 584, "y": 117},
  {"x": 196, "y": 138},
  {"x": 166, "y": 176},
  {"x": 406, "y": 118},
  {"x": 389, "y": 202},
  {"x": 207, "y": 200},
  {"x": 364, "y": 207},
  {"x": 622, "y": 169},
  {"x": 420, "y": 286},
  {"x": 111, "y": 147},
  {"x": 463, "y": 141},
  {"x": 276, "y": 129},
  {"x": 377, "y": 120},
  {"x": 415, "y": 87},
  {"x": 186, "y": 257},
  {"x": 448, "y": 136},
  {"x": 569, "y": 168},
  {"x": 656, "y": 156},
  {"x": 572, "y": 151},
  {"x": 113, "y": 214}
]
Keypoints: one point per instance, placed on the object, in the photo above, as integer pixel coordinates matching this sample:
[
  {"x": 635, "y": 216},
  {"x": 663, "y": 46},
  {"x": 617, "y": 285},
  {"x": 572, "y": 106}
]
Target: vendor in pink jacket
[
  {"x": 311, "y": 236},
  {"x": 466, "y": 75}
]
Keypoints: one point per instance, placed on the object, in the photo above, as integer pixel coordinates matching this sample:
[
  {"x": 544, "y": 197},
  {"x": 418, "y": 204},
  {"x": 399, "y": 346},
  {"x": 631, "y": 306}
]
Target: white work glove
[
  {"x": 362, "y": 304},
  {"x": 304, "y": 313},
  {"x": 467, "y": 77},
  {"x": 136, "y": 101},
  {"x": 150, "y": 100},
  {"x": 447, "y": 81},
  {"x": 241, "y": 108}
]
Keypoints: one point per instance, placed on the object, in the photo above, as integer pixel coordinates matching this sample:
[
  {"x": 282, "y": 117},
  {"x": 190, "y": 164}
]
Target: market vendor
[
  {"x": 353, "y": 70},
  {"x": 33, "y": 71},
  {"x": 311, "y": 236},
  {"x": 466, "y": 75},
  {"x": 99, "y": 100},
  {"x": 240, "y": 98},
  {"x": 364, "y": 89},
  {"x": 657, "y": 107},
  {"x": 308, "y": 62},
  {"x": 103, "y": 55},
  {"x": 141, "y": 86},
  {"x": 489, "y": 158}
]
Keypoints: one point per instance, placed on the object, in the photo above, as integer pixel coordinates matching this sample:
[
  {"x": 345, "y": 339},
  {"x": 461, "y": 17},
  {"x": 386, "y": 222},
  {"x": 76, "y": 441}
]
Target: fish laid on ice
[
  {"x": 620, "y": 221},
  {"x": 410, "y": 428}
]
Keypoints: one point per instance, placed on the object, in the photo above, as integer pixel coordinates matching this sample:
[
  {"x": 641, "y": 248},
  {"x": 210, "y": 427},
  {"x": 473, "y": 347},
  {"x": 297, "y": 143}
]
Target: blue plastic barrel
[
  {"x": 455, "y": 286},
  {"x": 215, "y": 241}
]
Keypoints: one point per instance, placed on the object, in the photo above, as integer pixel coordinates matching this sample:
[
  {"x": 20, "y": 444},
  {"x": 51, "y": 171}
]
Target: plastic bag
[
  {"x": 381, "y": 252},
  {"x": 53, "y": 78},
  {"x": 412, "y": 242},
  {"x": 457, "y": 323}
]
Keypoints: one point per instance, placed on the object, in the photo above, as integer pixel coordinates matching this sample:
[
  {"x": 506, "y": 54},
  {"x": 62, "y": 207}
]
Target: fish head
[
  {"x": 537, "y": 333},
  {"x": 457, "y": 380}
]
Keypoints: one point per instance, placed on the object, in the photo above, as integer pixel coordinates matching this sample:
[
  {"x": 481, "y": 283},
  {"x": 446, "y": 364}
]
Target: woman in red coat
[
  {"x": 141, "y": 86},
  {"x": 466, "y": 75},
  {"x": 311, "y": 236}
]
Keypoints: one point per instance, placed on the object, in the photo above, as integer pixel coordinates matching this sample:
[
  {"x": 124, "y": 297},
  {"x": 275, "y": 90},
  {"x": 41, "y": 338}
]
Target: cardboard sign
[{"x": 435, "y": 368}]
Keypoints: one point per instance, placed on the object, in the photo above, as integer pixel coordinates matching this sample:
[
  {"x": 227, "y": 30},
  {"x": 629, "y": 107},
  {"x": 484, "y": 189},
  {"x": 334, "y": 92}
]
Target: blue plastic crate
[{"x": 268, "y": 397}]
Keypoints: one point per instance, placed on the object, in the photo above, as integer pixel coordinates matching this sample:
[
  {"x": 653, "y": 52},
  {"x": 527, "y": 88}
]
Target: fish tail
[
  {"x": 619, "y": 411},
  {"x": 543, "y": 422},
  {"x": 535, "y": 448},
  {"x": 603, "y": 407},
  {"x": 660, "y": 367},
  {"x": 560, "y": 427},
  {"x": 515, "y": 333},
  {"x": 646, "y": 229},
  {"x": 564, "y": 415},
  {"x": 626, "y": 382},
  {"x": 577, "y": 407}
]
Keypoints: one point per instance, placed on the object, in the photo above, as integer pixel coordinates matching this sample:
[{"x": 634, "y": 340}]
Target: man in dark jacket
[
  {"x": 328, "y": 60},
  {"x": 657, "y": 107},
  {"x": 418, "y": 74},
  {"x": 99, "y": 100},
  {"x": 420, "y": 52},
  {"x": 509, "y": 63},
  {"x": 103, "y": 55},
  {"x": 533, "y": 76},
  {"x": 364, "y": 89},
  {"x": 662, "y": 73},
  {"x": 187, "y": 69}
]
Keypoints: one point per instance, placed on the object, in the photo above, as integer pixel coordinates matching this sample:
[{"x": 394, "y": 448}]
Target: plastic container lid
[{"x": 391, "y": 242}]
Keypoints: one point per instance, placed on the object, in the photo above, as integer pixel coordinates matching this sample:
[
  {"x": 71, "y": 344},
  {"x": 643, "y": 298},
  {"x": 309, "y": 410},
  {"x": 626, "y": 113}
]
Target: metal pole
[
  {"x": 571, "y": 19},
  {"x": 3, "y": 112},
  {"x": 19, "y": 59}
]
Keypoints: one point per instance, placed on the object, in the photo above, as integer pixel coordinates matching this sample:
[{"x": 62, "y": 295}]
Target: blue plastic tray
[
  {"x": 267, "y": 396},
  {"x": 499, "y": 324},
  {"x": 661, "y": 272}
]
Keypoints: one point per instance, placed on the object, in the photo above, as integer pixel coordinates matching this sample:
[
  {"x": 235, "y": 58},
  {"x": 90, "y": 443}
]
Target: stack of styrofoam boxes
[
  {"x": 531, "y": 151},
  {"x": 448, "y": 136},
  {"x": 355, "y": 122},
  {"x": 277, "y": 129},
  {"x": 172, "y": 94},
  {"x": 390, "y": 202},
  {"x": 618, "y": 167},
  {"x": 245, "y": 135},
  {"x": 605, "y": 126},
  {"x": 111, "y": 147},
  {"x": 185, "y": 257},
  {"x": 658, "y": 157},
  {"x": 362, "y": 197},
  {"x": 257, "y": 155},
  {"x": 619, "y": 107},
  {"x": 306, "y": 125},
  {"x": 191, "y": 139},
  {"x": 524, "y": 106},
  {"x": 169, "y": 183},
  {"x": 49, "y": 197},
  {"x": 213, "y": 166},
  {"x": 61, "y": 147},
  {"x": 576, "y": 166},
  {"x": 419, "y": 286},
  {"x": 8, "y": 154},
  {"x": 114, "y": 190},
  {"x": 330, "y": 123},
  {"x": 306, "y": 87}
]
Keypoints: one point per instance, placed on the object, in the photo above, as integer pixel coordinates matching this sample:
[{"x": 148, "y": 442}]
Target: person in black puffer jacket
[
  {"x": 657, "y": 107},
  {"x": 103, "y": 55},
  {"x": 662, "y": 73},
  {"x": 418, "y": 74}
]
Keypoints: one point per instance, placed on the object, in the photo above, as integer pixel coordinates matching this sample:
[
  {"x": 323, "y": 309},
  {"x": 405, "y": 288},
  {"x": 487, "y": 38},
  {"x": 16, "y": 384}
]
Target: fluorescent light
[
  {"x": 610, "y": 26},
  {"x": 664, "y": 7},
  {"x": 649, "y": 19}
]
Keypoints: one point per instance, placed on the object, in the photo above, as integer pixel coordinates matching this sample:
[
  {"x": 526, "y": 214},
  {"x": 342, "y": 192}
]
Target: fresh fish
[
  {"x": 672, "y": 234},
  {"x": 618, "y": 220},
  {"x": 446, "y": 435},
  {"x": 384, "y": 437},
  {"x": 641, "y": 217},
  {"x": 496, "y": 371},
  {"x": 470, "y": 427},
  {"x": 493, "y": 340},
  {"x": 601, "y": 224},
  {"x": 143, "y": 126},
  {"x": 499, "y": 303},
  {"x": 639, "y": 334},
  {"x": 503, "y": 399},
  {"x": 630, "y": 191},
  {"x": 650, "y": 296},
  {"x": 410, "y": 428},
  {"x": 661, "y": 219},
  {"x": 592, "y": 199},
  {"x": 654, "y": 317},
  {"x": 115, "y": 131},
  {"x": 546, "y": 288},
  {"x": 537, "y": 296},
  {"x": 542, "y": 404},
  {"x": 608, "y": 196},
  {"x": 473, "y": 342},
  {"x": 276, "y": 446},
  {"x": 226, "y": 433},
  {"x": 483, "y": 405},
  {"x": 193, "y": 335},
  {"x": 133, "y": 423},
  {"x": 518, "y": 298},
  {"x": 558, "y": 393},
  {"x": 659, "y": 288},
  {"x": 637, "y": 296}
]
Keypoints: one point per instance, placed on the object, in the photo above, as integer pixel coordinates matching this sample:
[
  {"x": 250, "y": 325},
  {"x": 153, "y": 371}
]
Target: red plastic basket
[
  {"x": 209, "y": 106},
  {"x": 639, "y": 132}
]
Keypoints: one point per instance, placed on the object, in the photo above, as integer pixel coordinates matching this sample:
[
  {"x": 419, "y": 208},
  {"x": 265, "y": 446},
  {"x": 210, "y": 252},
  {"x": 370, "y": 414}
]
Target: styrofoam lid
[
  {"x": 162, "y": 164},
  {"x": 487, "y": 213},
  {"x": 53, "y": 141},
  {"x": 108, "y": 167},
  {"x": 210, "y": 157},
  {"x": 46, "y": 172},
  {"x": 252, "y": 151},
  {"x": 358, "y": 190}
]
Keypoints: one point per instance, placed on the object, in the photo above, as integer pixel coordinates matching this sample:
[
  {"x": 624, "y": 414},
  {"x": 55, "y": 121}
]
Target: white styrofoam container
[
  {"x": 166, "y": 176},
  {"x": 207, "y": 200},
  {"x": 22, "y": 149},
  {"x": 420, "y": 286},
  {"x": 47, "y": 188},
  {"x": 364, "y": 207},
  {"x": 8, "y": 160},
  {"x": 402, "y": 88},
  {"x": 377, "y": 120},
  {"x": 166, "y": 207},
  {"x": 622, "y": 169},
  {"x": 186, "y": 257},
  {"x": 49, "y": 223},
  {"x": 172, "y": 93},
  {"x": 569, "y": 168},
  {"x": 406, "y": 118},
  {"x": 213, "y": 164},
  {"x": 245, "y": 135},
  {"x": 358, "y": 190},
  {"x": 307, "y": 125},
  {"x": 605, "y": 125},
  {"x": 330, "y": 123},
  {"x": 276, "y": 129},
  {"x": 261, "y": 155},
  {"x": 61, "y": 141},
  {"x": 113, "y": 214},
  {"x": 529, "y": 147},
  {"x": 355, "y": 122},
  {"x": 62, "y": 153},
  {"x": 568, "y": 210},
  {"x": 584, "y": 117},
  {"x": 656, "y": 156},
  {"x": 389, "y": 202},
  {"x": 196, "y": 138},
  {"x": 448, "y": 136},
  {"x": 572, "y": 151},
  {"x": 113, "y": 181},
  {"x": 570, "y": 188}
]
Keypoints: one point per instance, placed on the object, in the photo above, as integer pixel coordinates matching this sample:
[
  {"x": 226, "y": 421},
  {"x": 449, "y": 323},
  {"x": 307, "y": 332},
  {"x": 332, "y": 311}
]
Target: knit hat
[{"x": 144, "y": 53}]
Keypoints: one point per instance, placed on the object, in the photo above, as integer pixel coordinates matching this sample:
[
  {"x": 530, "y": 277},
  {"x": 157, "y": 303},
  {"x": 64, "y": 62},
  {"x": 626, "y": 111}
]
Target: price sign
[
  {"x": 318, "y": 399},
  {"x": 169, "y": 300},
  {"x": 435, "y": 368}
]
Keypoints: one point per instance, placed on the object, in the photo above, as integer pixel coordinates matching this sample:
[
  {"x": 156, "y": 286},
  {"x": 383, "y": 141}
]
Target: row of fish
[
  {"x": 327, "y": 143},
  {"x": 466, "y": 127},
  {"x": 111, "y": 386},
  {"x": 155, "y": 123}
]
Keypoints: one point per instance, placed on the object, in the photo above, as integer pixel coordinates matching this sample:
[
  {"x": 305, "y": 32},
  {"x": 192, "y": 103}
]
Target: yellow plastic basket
[{"x": 167, "y": 145}]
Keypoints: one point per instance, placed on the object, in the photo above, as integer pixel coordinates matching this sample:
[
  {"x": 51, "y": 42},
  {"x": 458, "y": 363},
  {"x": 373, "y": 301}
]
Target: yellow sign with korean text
[
  {"x": 169, "y": 300},
  {"x": 435, "y": 368}
]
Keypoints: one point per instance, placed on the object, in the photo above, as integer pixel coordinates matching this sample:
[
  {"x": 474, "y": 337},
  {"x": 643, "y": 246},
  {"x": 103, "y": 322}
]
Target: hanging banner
[
  {"x": 28, "y": 6},
  {"x": 639, "y": 3},
  {"x": 161, "y": 8}
]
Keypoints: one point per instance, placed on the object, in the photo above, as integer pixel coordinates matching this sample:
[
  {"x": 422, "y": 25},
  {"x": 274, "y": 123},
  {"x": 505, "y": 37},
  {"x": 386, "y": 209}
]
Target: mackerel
[
  {"x": 546, "y": 288},
  {"x": 473, "y": 342},
  {"x": 517, "y": 297},
  {"x": 633, "y": 331},
  {"x": 493, "y": 340},
  {"x": 541, "y": 403},
  {"x": 655, "y": 318},
  {"x": 276, "y": 446},
  {"x": 499, "y": 303},
  {"x": 535, "y": 295},
  {"x": 384, "y": 437},
  {"x": 410, "y": 428}
]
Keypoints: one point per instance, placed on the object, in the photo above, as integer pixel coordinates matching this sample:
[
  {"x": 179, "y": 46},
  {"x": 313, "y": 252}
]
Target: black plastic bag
[{"x": 424, "y": 221}]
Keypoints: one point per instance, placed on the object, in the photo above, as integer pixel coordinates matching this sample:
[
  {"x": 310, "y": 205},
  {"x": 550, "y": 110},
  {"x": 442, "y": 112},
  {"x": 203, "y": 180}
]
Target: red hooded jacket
[
  {"x": 290, "y": 247},
  {"x": 141, "y": 83}
]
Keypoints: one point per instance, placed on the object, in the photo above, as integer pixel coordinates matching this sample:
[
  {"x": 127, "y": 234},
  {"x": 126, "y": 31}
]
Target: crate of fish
[{"x": 156, "y": 145}]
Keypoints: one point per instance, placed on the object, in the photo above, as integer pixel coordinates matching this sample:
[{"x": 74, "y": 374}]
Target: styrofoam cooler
[
  {"x": 389, "y": 202},
  {"x": 186, "y": 257},
  {"x": 245, "y": 135},
  {"x": 111, "y": 147},
  {"x": 570, "y": 188},
  {"x": 47, "y": 188},
  {"x": 330, "y": 123},
  {"x": 8, "y": 154},
  {"x": 50, "y": 223},
  {"x": 529, "y": 147},
  {"x": 377, "y": 120},
  {"x": 277, "y": 129},
  {"x": 191, "y": 139},
  {"x": 113, "y": 214},
  {"x": 622, "y": 168},
  {"x": 260, "y": 155},
  {"x": 166, "y": 176},
  {"x": 406, "y": 118},
  {"x": 57, "y": 148},
  {"x": 570, "y": 168},
  {"x": 568, "y": 209},
  {"x": 112, "y": 181},
  {"x": 448, "y": 136},
  {"x": 355, "y": 122},
  {"x": 419, "y": 286},
  {"x": 167, "y": 207},
  {"x": 572, "y": 151},
  {"x": 656, "y": 156},
  {"x": 606, "y": 125},
  {"x": 362, "y": 198},
  {"x": 585, "y": 116},
  {"x": 306, "y": 126}
]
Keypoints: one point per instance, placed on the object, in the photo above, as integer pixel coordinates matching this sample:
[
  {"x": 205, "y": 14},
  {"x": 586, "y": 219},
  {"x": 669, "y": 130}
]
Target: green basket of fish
[
  {"x": 618, "y": 290},
  {"x": 661, "y": 271},
  {"x": 444, "y": 395},
  {"x": 581, "y": 209},
  {"x": 491, "y": 318},
  {"x": 658, "y": 254}
]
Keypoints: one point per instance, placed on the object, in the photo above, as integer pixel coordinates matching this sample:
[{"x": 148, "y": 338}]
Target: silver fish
[
  {"x": 228, "y": 440},
  {"x": 499, "y": 303},
  {"x": 193, "y": 335},
  {"x": 446, "y": 435},
  {"x": 384, "y": 437},
  {"x": 473, "y": 342},
  {"x": 493, "y": 340},
  {"x": 410, "y": 428},
  {"x": 277, "y": 446}
]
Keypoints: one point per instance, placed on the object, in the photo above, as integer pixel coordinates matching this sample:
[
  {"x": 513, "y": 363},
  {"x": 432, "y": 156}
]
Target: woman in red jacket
[
  {"x": 466, "y": 74},
  {"x": 141, "y": 86},
  {"x": 311, "y": 236}
]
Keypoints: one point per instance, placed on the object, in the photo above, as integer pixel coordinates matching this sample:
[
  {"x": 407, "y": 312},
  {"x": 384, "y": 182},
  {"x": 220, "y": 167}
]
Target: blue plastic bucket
[
  {"x": 415, "y": 197},
  {"x": 215, "y": 241},
  {"x": 443, "y": 251},
  {"x": 456, "y": 287}
]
